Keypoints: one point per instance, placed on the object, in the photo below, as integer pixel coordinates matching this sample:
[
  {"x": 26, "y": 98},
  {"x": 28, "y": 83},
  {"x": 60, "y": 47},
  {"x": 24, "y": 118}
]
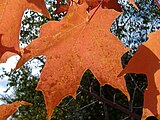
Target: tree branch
[{"x": 108, "y": 102}]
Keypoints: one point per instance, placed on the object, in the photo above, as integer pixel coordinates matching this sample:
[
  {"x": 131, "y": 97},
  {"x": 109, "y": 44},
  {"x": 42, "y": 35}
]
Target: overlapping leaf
[
  {"x": 11, "y": 13},
  {"x": 8, "y": 109},
  {"x": 108, "y": 4},
  {"x": 72, "y": 46},
  {"x": 147, "y": 61}
]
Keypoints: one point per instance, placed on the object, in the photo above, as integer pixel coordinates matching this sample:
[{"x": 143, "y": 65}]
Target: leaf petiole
[{"x": 95, "y": 10}]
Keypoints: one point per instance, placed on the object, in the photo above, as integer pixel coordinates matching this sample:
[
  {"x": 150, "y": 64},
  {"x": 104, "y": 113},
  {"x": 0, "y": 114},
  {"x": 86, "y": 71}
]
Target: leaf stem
[{"x": 95, "y": 10}]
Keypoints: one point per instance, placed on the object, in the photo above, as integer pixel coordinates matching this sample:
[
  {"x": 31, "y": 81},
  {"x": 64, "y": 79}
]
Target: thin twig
[
  {"x": 132, "y": 79},
  {"x": 70, "y": 100},
  {"x": 105, "y": 106},
  {"x": 114, "y": 98},
  {"x": 125, "y": 118},
  {"x": 95, "y": 10},
  {"x": 84, "y": 107},
  {"x": 132, "y": 101},
  {"x": 140, "y": 107}
]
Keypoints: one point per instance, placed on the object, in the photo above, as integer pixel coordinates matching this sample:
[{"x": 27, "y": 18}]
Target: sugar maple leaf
[
  {"x": 158, "y": 4},
  {"x": 11, "y": 13},
  {"x": 72, "y": 46},
  {"x": 8, "y": 109},
  {"x": 147, "y": 61}
]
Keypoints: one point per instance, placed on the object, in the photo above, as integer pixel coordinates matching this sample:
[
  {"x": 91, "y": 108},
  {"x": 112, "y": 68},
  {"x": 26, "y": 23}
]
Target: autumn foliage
[
  {"x": 80, "y": 41},
  {"x": 71, "y": 56}
]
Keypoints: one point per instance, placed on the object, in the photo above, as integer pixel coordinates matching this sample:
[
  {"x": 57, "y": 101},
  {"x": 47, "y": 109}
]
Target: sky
[{"x": 10, "y": 64}]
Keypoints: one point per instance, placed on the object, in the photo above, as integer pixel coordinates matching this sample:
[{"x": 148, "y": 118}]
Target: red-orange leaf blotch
[
  {"x": 147, "y": 61},
  {"x": 10, "y": 20},
  {"x": 8, "y": 109},
  {"x": 72, "y": 46},
  {"x": 158, "y": 4}
]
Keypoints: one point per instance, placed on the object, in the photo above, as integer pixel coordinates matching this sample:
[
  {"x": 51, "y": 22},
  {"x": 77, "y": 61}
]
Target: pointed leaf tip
[
  {"x": 39, "y": 6},
  {"x": 8, "y": 109}
]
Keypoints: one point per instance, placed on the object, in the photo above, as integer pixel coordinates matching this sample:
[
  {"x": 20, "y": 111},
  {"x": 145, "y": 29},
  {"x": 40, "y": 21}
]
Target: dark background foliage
[{"x": 131, "y": 28}]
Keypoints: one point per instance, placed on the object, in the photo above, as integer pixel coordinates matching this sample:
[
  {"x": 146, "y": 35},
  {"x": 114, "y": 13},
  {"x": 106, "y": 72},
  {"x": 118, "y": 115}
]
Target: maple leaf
[
  {"x": 72, "y": 46},
  {"x": 11, "y": 13},
  {"x": 156, "y": 1},
  {"x": 147, "y": 61},
  {"x": 8, "y": 109}
]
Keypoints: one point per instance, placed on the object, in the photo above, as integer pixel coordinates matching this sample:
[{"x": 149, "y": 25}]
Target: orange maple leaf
[
  {"x": 11, "y": 13},
  {"x": 8, "y": 109},
  {"x": 72, "y": 46},
  {"x": 147, "y": 61}
]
